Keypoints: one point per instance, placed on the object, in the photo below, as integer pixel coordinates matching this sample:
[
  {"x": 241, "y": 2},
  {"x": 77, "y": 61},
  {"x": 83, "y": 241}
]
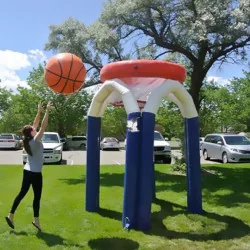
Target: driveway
[{"x": 79, "y": 157}]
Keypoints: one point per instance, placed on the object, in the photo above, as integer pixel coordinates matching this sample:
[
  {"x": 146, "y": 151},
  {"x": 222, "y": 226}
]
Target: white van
[
  {"x": 77, "y": 142},
  {"x": 162, "y": 149},
  {"x": 52, "y": 148},
  {"x": 226, "y": 147}
]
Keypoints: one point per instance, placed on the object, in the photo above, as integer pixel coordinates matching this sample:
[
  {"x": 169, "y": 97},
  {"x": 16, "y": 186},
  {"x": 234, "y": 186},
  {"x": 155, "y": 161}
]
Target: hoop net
[{"x": 141, "y": 87}]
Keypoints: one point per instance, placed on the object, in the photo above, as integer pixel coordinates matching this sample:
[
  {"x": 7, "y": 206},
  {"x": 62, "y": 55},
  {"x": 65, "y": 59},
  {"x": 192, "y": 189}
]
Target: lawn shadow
[
  {"x": 107, "y": 180},
  {"x": 233, "y": 181},
  {"x": 74, "y": 181},
  {"x": 50, "y": 239},
  {"x": 112, "y": 179},
  {"x": 54, "y": 240},
  {"x": 173, "y": 182},
  {"x": 226, "y": 227},
  {"x": 23, "y": 233},
  {"x": 113, "y": 243},
  {"x": 111, "y": 214},
  {"x": 231, "y": 227}
]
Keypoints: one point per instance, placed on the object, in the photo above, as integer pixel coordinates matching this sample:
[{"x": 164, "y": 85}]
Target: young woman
[{"x": 32, "y": 172}]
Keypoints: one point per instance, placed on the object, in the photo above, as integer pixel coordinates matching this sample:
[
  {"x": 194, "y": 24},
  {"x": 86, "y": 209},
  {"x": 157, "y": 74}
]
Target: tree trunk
[
  {"x": 197, "y": 78},
  {"x": 61, "y": 129},
  {"x": 248, "y": 124}
]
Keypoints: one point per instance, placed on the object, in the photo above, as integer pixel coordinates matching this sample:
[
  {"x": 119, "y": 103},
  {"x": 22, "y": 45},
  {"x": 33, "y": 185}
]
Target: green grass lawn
[{"x": 225, "y": 223}]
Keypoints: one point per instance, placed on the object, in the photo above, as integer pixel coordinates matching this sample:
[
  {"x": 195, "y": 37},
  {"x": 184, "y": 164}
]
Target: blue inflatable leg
[
  {"x": 93, "y": 164},
  {"x": 145, "y": 175},
  {"x": 194, "y": 193},
  {"x": 131, "y": 169}
]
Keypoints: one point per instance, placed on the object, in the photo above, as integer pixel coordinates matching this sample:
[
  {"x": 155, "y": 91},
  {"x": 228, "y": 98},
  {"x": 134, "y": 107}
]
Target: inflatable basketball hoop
[
  {"x": 140, "y": 77},
  {"x": 140, "y": 86}
]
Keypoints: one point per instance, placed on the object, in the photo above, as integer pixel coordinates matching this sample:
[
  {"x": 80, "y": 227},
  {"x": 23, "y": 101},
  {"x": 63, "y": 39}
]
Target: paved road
[{"x": 79, "y": 157}]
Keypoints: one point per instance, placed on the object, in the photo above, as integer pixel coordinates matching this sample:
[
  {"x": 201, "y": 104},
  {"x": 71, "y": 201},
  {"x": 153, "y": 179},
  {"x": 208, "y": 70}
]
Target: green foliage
[
  {"x": 179, "y": 165},
  {"x": 170, "y": 118},
  {"x": 114, "y": 122},
  {"x": 240, "y": 90},
  {"x": 5, "y": 98},
  {"x": 224, "y": 108}
]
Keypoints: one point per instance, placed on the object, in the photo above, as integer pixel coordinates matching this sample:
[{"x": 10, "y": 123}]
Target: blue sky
[
  {"x": 24, "y": 28},
  {"x": 25, "y": 24}
]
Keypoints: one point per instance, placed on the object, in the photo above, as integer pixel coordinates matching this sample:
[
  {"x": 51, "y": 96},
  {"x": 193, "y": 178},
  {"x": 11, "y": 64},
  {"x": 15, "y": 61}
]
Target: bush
[{"x": 179, "y": 165}]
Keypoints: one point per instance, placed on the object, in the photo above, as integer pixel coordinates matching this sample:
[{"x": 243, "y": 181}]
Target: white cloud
[
  {"x": 11, "y": 62},
  {"x": 219, "y": 80},
  {"x": 37, "y": 55},
  {"x": 11, "y": 80}
]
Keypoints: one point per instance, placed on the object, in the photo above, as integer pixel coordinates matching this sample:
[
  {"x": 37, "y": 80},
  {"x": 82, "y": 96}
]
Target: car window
[
  {"x": 237, "y": 140},
  {"x": 50, "y": 138},
  {"x": 8, "y": 137},
  {"x": 109, "y": 139},
  {"x": 218, "y": 139},
  {"x": 207, "y": 139},
  {"x": 79, "y": 138},
  {"x": 158, "y": 137},
  {"x": 210, "y": 138}
]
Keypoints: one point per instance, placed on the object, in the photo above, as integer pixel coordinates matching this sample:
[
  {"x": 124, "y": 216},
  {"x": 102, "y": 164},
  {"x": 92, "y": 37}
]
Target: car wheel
[
  {"x": 167, "y": 160},
  {"x": 224, "y": 158},
  {"x": 205, "y": 155},
  {"x": 82, "y": 147}
]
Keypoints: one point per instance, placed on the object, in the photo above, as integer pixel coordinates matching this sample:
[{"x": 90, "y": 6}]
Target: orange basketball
[{"x": 65, "y": 73}]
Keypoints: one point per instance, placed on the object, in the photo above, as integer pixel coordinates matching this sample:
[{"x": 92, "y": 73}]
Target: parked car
[
  {"x": 11, "y": 141},
  {"x": 226, "y": 147},
  {"x": 109, "y": 143},
  {"x": 52, "y": 148},
  {"x": 77, "y": 142},
  {"x": 162, "y": 149}
]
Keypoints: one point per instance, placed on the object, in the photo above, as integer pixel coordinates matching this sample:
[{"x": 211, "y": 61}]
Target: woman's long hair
[{"x": 27, "y": 137}]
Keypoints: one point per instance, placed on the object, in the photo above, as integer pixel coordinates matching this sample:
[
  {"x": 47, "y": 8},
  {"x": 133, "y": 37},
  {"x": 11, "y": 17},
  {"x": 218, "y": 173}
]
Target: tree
[
  {"x": 203, "y": 32},
  {"x": 95, "y": 45}
]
